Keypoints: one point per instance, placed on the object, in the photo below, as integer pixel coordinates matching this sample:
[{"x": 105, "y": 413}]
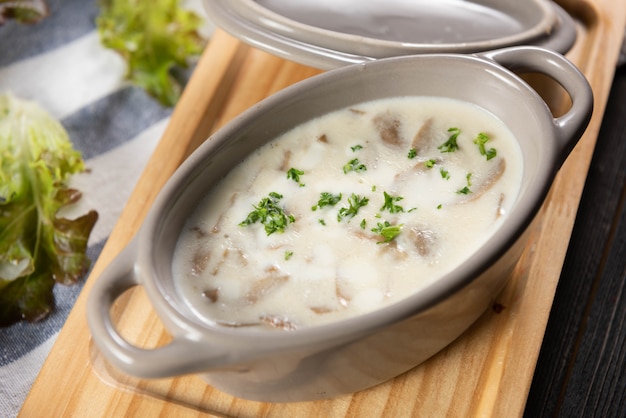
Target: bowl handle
[
  {"x": 571, "y": 125},
  {"x": 181, "y": 356}
]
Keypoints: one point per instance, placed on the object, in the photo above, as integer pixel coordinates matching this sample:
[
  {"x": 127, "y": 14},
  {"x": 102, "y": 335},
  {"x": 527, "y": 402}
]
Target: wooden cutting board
[{"x": 486, "y": 372}]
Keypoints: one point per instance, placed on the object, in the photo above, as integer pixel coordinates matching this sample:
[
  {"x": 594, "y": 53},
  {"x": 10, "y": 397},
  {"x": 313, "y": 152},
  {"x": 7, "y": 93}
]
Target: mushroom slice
[
  {"x": 321, "y": 310},
  {"x": 200, "y": 261},
  {"x": 277, "y": 321},
  {"x": 423, "y": 138},
  {"x": 423, "y": 165},
  {"x": 212, "y": 294},
  {"x": 423, "y": 239},
  {"x": 492, "y": 177},
  {"x": 285, "y": 164},
  {"x": 262, "y": 287},
  {"x": 389, "y": 129}
]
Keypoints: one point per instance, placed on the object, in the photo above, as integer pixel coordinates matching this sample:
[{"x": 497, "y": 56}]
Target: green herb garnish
[
  {"x": 288, "y": 255},
  {"x": 363, "y": 223},
  {"x": 294, "y": 174},
  {"x": 354, "y": 165},
  {"x": 387, "y": 231},
  {"x": 466, "y": 189},
  {"x": 444, "y": 174},
  {"x": 450, "y": 145},
  {"x": 356, "y": 148},
  {"x": 271, "y": 215},
  {"x": 355, "y": 203},
  {"x": 327, "y": 199},
  {"x": 481, "y": 140},
  {"x": 412, "y": 153},
  {"x": 390, "y": 203},
  {"x": 430, "y": 163}
]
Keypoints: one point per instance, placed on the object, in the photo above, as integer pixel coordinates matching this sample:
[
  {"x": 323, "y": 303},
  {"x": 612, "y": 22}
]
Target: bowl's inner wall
[{"x": 488, "y": 86}]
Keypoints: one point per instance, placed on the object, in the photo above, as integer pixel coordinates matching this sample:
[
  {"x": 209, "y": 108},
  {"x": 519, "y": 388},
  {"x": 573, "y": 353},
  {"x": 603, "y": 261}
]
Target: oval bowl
[{"x": 353, "y": 354}]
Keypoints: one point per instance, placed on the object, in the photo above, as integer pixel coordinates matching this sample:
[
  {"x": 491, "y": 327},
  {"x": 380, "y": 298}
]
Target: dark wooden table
[{"x": 581, "y": 370}]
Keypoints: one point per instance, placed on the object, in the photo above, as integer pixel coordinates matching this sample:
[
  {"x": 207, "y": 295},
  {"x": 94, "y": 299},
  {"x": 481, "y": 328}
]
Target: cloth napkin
[{"x": 61, "y": 64}]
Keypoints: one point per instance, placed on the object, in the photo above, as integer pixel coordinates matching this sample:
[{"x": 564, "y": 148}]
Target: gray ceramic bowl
[{"x": 357, "y": 353}]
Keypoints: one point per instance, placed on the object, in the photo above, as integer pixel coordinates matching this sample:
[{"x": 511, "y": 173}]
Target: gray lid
[{"x": 332, "y": 33}]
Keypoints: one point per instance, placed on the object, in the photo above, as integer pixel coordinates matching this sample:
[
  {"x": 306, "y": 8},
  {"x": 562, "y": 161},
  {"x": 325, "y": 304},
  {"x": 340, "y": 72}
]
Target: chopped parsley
[
  {"x": 481, "y": 140},
  {"x": 466, "y": 189},
  {"x": 356, "y": 148},
  {"x": 439, "y": 206},
  {"x": 354, "y": 165},
  {"x": 294, "y": 174},
  {"x": 322, "y": 222},
  {"x": 288, "y": 255},
  {"x": 450, "y": 145},
  {"x": 387, "y": 231},
  {"x": 363, "y": 223},
  {"x": 327, "y": 199},
  {"x": 390, "y": 203},
  {"x": 355, "y": 203},
  {"x": 412, "y": 153},
  {"x": 444, "y": 174},
  {"x": 430, "y": 163},
  {"x": 271, "y": 215}
]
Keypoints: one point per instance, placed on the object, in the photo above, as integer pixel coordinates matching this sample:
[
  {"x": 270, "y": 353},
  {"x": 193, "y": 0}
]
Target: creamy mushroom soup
[{"x": 348, "y": 213}]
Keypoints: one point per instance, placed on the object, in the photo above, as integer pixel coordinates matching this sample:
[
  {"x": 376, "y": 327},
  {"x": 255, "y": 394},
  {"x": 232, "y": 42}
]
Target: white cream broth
[{"x": 325, "y": 267}]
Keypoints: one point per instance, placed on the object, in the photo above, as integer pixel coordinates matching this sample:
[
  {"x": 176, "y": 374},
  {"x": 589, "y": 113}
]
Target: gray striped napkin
[{"x": 61, "y": 64}]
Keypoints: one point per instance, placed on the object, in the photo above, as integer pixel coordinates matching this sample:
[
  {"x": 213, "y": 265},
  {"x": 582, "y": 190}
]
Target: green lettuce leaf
[
  {"x": 37, "y": 247},
  {"x": 155, "y": 38},
  {"x": 24, "y": 11}
]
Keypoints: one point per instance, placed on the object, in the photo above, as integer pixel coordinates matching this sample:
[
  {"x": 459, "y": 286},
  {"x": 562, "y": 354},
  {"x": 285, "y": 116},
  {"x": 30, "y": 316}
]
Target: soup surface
[{"x": 347, "y": 213}]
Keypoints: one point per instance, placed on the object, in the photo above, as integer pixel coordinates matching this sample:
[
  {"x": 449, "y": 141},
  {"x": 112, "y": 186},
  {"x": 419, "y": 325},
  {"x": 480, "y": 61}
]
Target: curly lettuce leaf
[
  {"x": 155, "y": 38},
  {"x": 37, "y": 247},
  {"x": 24, "y": 11}
]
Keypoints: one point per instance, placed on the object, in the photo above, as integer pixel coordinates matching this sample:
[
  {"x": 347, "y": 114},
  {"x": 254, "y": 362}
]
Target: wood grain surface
[{"x": 486, "y": 372}]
